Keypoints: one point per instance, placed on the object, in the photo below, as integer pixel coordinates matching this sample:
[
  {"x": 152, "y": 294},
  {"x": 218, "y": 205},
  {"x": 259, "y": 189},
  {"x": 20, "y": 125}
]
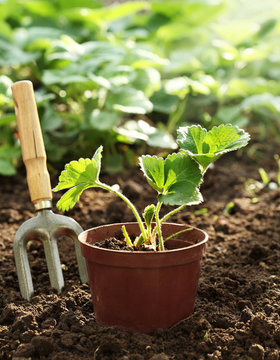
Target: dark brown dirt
[
  {"x": 114, "y": 243},
  {"x": 237, "y": 313}
]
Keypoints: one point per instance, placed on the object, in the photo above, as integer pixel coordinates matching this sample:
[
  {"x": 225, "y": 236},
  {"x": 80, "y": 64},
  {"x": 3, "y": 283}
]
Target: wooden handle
[{"x": 31, "y": 140}]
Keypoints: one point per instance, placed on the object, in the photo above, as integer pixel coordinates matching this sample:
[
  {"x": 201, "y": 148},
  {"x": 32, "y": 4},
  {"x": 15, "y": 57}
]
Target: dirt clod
[
  {"x": 43, "y": 345},
  {"x": 256, "y": 352},
  {"x": 161, "y": 356}
]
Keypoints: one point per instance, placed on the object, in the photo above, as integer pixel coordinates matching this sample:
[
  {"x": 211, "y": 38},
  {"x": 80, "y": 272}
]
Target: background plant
[{"x": 127, "y": 76}]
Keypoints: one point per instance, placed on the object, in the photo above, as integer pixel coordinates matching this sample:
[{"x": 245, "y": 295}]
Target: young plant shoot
[{"x": 176, "y": 178}]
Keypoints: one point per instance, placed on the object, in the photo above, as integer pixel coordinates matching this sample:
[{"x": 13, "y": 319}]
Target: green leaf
[
  {"x": 117, "y": 11},
  {"x": 69, "y": 199},
  {"x": 153, "y": 169},
  {"x": 205, "y": 147},
  {"x": 5, "y": 85},
  {"x": 176, "y": 178},
  {"x": 161, "y": 138},
  {"x": 5, "y": 30},
  {"x": 103, "y": 120},
  {"x": 163, "y": 102},
  {"x": 39, "y": 7},
  {"x": 265, "y": 100},
  {"x": 100, "y": 80},
  {"x": 90, "y": 4},
  {"x": 182, "y": 178},
  {"x": 113, "y": 164},
  {"x": 36, "y": 37},
  {"x": 142, "y": 59},
  {"x": 7, "y": 119},
  {"x": 180, "y": 167},
  {"x": 6, "y": 168},
  {"x": 193, "y": 12},
  {"x": 244, "y": 87},
  {"x": 11, "y": 54},
  {"x": 177, "y": 85},
  {"x": 148, "y": 80},
  {"x": 55, "y": 153},
  {"x": 149, "y": 213},
  {"x": 181, "y": 194},
  {"x": 198, "y": 87},
  {"x": 106, "y": 14},
  {"x": 129, "y": 100},
  {"x": 141, "y": 130},
  {"x": 65, "y": 76},
  {"x": 266, "y": 27},
  {"x": 103, "y": 51},
  {"x": 192, "y": 138},
  {"x": 78, "y": 176},
  {"x": 231, "y": 115},
  {"x": 83, "y": 171},
  {"x": 228, "y": 113},
  {"x": 51, "y": 119},
  {"x": 42, "y": 98},
  {"x": 8, "y": 152}
]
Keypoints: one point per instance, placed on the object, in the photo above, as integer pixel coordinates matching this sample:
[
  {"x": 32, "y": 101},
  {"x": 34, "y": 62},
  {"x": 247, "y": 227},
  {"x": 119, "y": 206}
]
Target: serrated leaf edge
[{"x": 220, "y": 152}]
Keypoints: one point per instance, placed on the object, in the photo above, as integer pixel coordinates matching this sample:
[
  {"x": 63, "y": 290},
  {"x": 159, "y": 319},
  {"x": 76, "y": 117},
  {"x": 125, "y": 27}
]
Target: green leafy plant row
[{"x": 129, "y": 75}]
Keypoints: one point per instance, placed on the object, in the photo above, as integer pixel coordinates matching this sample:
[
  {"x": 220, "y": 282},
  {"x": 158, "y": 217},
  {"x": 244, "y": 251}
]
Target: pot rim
[{"x": 82, "y": 240}]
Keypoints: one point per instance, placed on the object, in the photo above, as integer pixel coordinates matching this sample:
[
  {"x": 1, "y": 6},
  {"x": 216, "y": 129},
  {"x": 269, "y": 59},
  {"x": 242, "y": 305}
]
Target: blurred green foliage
[{"x": 127, "y": 75}]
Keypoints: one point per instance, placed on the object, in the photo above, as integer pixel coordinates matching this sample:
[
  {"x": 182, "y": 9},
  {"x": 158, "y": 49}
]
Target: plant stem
[
  {"x": 175, "y": 117},
  {"x": 129, "y": 204},
  {"x": 158, "y": 227},
  {"x": 172, "y": 213},
  {"x": 126, "y": 236},
  {"x": 177, "y": 233}
]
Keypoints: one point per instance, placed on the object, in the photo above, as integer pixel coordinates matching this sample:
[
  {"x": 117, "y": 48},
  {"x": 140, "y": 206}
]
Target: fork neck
[{"x": 42, "y": 205}]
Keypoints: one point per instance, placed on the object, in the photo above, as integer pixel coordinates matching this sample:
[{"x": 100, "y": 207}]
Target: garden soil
[{"x": 237, "y": 312}]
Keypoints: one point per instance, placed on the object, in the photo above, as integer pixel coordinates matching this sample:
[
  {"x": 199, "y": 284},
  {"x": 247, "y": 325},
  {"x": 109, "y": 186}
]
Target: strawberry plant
[
  {"x": 176, "y": 178},
  {"x": 130, "y": 74}
]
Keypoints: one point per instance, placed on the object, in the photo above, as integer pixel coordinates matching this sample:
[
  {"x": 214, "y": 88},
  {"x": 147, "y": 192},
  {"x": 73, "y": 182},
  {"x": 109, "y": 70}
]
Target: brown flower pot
[{"x": 143, "y": 291}]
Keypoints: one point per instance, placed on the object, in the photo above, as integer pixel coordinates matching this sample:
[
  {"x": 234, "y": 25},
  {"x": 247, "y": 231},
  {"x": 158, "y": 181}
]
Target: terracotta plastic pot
[{"x": 143, "y": 291}]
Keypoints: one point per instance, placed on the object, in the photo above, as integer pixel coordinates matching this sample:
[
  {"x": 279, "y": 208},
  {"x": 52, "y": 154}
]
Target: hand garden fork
[{"x": 46, "y": 226}]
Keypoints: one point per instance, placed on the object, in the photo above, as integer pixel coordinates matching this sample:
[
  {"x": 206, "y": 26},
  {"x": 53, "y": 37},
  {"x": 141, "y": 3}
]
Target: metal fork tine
[
  {"x": 70, "y": 228},
  {"x": 53, "y": 263},
  {"x": 22, "y": 265},
  {"x": 46, "y": 227}
]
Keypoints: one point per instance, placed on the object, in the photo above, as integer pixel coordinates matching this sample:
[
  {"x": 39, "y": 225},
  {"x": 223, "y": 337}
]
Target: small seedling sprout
[
  {"x": 254, "y": 186},
  {"x": 176, "y": 178}
]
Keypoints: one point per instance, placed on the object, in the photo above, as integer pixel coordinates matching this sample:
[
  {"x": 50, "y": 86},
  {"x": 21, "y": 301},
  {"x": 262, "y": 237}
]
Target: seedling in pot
[{"x": 176, "y": 178}]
